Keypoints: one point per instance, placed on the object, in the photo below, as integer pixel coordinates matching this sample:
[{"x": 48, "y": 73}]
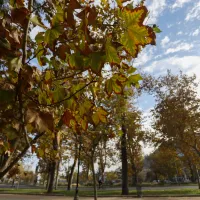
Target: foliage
[
  {"x": 51, "y": 83},
  {"x": 177, "y": 112}
]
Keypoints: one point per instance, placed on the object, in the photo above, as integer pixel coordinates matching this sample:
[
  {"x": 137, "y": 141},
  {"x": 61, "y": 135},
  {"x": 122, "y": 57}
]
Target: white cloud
[
  {"x": 179, "y": 3},
  {"x": 35, "y": 31},
  {"x": 196, "y": 32},
  {"x": 164, "y": 41},
  {"x": 147, "y": 119},
  {"x": 169, "y": 25},
  {"x": 179, "y": 33},
  {"x": 194, "y": 13},
  {"x": 144, "y": 56},
  {"x": 189, "y": 64},
  {"x": 180, "y": 47},
  {"x": 156, "y": 7}
]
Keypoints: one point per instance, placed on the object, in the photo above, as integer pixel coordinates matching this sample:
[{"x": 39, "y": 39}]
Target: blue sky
[{"x": 178, "y": 46}]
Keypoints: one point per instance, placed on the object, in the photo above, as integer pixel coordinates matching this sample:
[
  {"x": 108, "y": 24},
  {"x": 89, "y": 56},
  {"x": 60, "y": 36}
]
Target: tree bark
[
  {"x": 53, "y": 165},
  {"x": 52, "y": 177},
  {"x": 134, "y": 175},
  {"x": 197, "y": 173},
  {"x": 71, "y": 174},
  {"x": 57, "y": 175},
  {"x": 94, "y": 177},
  {"x": 125, "y": 190},
  {"x": 69, "y": 181},
  {"x": 5, "y": 171}
]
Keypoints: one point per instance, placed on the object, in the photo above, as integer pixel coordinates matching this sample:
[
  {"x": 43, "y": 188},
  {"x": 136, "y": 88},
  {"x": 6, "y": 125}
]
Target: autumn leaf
[
  {"x": 68, "y": 117},
  {"x": 136, "y": 34},
  {"x": 96, "y": 62},
  {"x": 58, "y": 17},
  {"x": 62, "y": 50},
  {"x": 99, "y": 115},
  {"x": 111, "y": 52},
  {"x": 39, "y": 38},
  {"x": 37, "y": 21},
  {"x": 51, "y": 35},
  {"x": 42, "y": 121},
  {"x": 19, "y": 15}
]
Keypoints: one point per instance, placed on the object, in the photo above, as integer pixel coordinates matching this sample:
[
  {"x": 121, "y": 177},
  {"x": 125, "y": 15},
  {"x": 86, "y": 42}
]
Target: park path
[{"x": 37, "y": 197}]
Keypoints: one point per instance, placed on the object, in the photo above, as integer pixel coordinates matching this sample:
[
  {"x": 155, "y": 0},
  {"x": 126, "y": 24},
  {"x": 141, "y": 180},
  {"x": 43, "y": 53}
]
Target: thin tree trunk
[
  {"x": 197, "y": 173},
  {"x": 52, "y": 177},
  {"x": 134, "y": 175},
  {"x": 71, "y": 174},
  {"x": 5, "y": 171},
  {"x": 53, "y": 165},
  {"x": 57, "y": 175},
  {"x": 94, "y": 177},
  {"x": 125, "y": 190},
  {"x": 6, "y": 160},
  {"x": 48, "y": 177},
  {"x": 69, "y": 181}
]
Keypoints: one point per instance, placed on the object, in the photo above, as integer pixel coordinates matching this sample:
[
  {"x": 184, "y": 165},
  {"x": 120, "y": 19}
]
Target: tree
[
  {"x": 135, "y": 135},
  {"x": 50, "y": 80},
  {"x": 165, "y": 162},
  {"x": 177, "y": 111}
]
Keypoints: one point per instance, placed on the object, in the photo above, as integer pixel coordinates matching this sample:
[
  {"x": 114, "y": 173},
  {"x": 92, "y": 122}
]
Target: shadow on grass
[{"x": 103, "y": 192}]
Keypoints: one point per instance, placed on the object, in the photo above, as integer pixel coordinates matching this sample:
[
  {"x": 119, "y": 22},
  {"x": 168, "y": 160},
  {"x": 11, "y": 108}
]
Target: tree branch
[
  {"x": 20, "y": 155},
  {"x": 69, "y": 97}
]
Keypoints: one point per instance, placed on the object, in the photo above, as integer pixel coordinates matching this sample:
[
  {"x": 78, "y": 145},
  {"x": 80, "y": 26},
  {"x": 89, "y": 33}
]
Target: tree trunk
[
  {"x": 124, "y": 162},
  {"x": 52, "y": 177},
  {"x": 13, "y": 182},
  {"x": 48, "y": 178},
  {"x": 134, "y": 175},
  {"x": 8, "y": 168},
  {"x": 71, "y": 174},
  {"x": 192, "y": 172},
  {"x": 57, "y": 175},
  {"x": 197, "y": 173},
  {"x": 134, "y": 180},
  {"x": 94, "y": 178},
  {"x": 53, "y": 165}
]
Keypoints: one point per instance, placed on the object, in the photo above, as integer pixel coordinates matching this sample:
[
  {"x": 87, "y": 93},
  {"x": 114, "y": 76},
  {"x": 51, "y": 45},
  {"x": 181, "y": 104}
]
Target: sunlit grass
[{"x": 104, "y": 192}]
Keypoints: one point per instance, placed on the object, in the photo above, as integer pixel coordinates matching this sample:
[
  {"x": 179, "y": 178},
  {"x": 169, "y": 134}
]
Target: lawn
[{"x": 106, "y": 192}]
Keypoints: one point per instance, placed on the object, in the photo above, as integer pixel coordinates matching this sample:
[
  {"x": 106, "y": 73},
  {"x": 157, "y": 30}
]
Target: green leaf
[
  {"x": 111, "y": 53},
  {"x": 156, "y": 29},
  {"x": 4, "y": 43},
  {"x": 131, "y": 70},
  {"x": 119, "y": 3},
  {"x": 58, "y": 17},
  {"x": 51, "y": 35},
  {"x": 39, "y": 38},
  {"x": 117, "y": 87},
  {"x": 15, "y": 64},
  {"x": 7, "y": 95},
  {"x": 99, "y": 115},
  {"x": 135, "y": 33},
  {"x": 76, "y": 61},
  {"x": 134, "y": 79},
  {"x": 47, "y": 75},
  {"x": 40, "y": 152},
  {"x": 37, "y": 21},
  {"x": 40, "y": 53},
  {"x": 59, "y": 94},
  {"x": 95, "y": 118},
  {"x": 96, "y": 62},
  {"x": 132, "y": 37},
  {"x": 10, "y": 132},
  {"x": 109, "y": 87}
]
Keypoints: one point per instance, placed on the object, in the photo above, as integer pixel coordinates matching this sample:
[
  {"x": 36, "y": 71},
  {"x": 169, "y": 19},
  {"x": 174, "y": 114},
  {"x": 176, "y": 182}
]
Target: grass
[{"x": 105, "y": 192}]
